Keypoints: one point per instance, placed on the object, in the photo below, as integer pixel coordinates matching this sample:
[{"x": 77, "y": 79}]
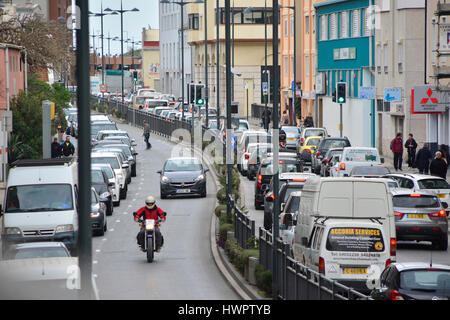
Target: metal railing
[
  {"x": 297, "y": 282},
  {"x": 258, "y": 109},
  {"x": 244, "y": 227}
]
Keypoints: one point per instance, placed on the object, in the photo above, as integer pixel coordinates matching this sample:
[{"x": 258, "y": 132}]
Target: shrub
[
  {"x": 223, "y": 230},
  {"x": 253, "y": 243},
  {"x": 219, "y": 209},
  {"x": 263, "y": 279}
]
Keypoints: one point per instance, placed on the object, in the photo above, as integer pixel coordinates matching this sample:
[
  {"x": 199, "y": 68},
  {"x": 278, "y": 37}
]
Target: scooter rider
[{"x": 151, "y": 211}]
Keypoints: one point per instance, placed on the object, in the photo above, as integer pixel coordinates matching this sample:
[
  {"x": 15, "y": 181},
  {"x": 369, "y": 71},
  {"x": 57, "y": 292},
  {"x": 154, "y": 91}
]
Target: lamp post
[
  {"x": 101, "y": 15},
  {"x": 132, "y": 57},
  {"x": 218, "y": 62},
  {"x": 292, "y": 118},
  {"x": 181, "y": 4},
  {"x": 121, "y": 11},
  {"x": 206, "y": 61}
]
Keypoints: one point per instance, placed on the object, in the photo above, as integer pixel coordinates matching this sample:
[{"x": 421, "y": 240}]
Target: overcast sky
[{"x": 133, "y": 22}]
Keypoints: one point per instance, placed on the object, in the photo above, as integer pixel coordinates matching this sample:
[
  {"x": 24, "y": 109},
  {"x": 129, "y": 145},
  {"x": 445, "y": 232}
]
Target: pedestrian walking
[
  {"x": 67, "y": 148},
  {"x": 56, "y": 148},
  {"x": 411, "y": 146},
  {"x": 423, "y": 159},
  {"x": 438, "y": 166},
  {"x": 308, "y": 122},
  {"x": 443, "y": 150},
  {"x": 266, "y": 118},
  {"x": 146, "y": 134},
  {"x": 285, "y": 118},
  {"x": 397, "y": 150}
]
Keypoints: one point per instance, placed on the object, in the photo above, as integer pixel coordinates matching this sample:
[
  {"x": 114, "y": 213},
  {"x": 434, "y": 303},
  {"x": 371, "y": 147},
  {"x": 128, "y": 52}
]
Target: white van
[
  {"x": 41, "y": 202},
  {"x": 351, "y": 251}
]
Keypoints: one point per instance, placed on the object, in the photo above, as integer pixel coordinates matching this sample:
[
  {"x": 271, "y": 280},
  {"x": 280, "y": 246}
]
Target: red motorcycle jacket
[{"x": 154, "y": 213}]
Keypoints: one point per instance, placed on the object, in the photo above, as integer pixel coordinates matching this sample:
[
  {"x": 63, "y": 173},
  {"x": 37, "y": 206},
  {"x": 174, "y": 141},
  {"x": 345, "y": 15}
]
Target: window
[
  {"x": 344, "y": 24},
  {"x": 366, "y": 21},
  {"x": 385, "y": 58},
  {"x": 286, "y": 27},
  {"x": 333, "y": 26},
  {"x": 400, "y": 56},
  {"x": 307, "y": 65},
  {"x": 286, "y": 67},
  {"x": 193, "y": 21},
  {"x": 380, "y": 105},
  {"x": 387, "y": 106},
  {"x": 256, "y": 16},
  {"x": 323, "y": 27},
  {"x": 356, "y": 25},
  {"x": 307, "y": 25}
]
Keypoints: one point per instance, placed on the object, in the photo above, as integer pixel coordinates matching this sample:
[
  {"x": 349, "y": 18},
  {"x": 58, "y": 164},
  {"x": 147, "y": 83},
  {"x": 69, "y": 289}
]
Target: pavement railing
[
  {"x": 295, "y": 281},
  {"x": 244, "y": 227}
]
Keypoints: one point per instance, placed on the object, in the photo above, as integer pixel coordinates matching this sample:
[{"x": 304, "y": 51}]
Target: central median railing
[{"x": 294, "y": 280}]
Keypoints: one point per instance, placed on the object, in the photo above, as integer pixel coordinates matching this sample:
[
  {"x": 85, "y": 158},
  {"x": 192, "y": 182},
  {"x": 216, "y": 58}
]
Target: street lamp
[
  {"x": 132, "y": 57},
  {"x": 101, "y": 15},
  {"x": 181, "y": 4},
  {"x": 121, "y": 11}
]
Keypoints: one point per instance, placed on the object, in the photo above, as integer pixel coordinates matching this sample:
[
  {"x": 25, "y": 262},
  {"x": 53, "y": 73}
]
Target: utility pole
[
  {"x": 218, "y": 61},
  {"x": 206, "y": 62},
  {"x": 228, "y": 106}
]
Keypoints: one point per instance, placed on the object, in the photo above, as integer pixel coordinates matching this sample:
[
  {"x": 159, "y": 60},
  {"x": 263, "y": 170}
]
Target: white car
[
  {"x": 355, "y": 156},
  {"x": 246, "y": 156},
  {"x": 288, "y": 218},
  {"x": 120, "y": 168},
  {"x": 424, "y": 182},
  {"x": 112, "y": 178},
  {"x": 247, "y": 137}
]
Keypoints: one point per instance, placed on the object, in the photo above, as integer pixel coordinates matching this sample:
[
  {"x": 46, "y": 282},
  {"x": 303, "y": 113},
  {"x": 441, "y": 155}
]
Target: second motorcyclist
[{"x": 151, "y": 211}]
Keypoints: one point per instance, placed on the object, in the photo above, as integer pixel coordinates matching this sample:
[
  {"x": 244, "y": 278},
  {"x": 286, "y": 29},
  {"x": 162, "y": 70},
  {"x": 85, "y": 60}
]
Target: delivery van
[{"x": 41, "y": 202}]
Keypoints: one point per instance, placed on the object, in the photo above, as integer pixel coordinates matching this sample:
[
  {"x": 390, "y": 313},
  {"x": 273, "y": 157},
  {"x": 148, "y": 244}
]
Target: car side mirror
[
  {"x": 304, "y": 241},
  {"x": 206, "y": 170},
  {"x": 294, "y": 222},
  {"x": 135, "y": 153},
  {"x": 445, "y": 205},
  {"x": 282, "y": 207},
  {"x": 159, "y": 171},
  {"x": 382, "y": 160}
]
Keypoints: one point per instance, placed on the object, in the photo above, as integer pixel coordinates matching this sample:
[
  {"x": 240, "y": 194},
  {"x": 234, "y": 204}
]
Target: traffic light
[
  {"x": 341, "y": 89},
  {"x": 334, "y": 96},
  {"x": 191, "y": 92},
  {"x": 199, "y": 99},
  {"x": 135, "y": 76}
]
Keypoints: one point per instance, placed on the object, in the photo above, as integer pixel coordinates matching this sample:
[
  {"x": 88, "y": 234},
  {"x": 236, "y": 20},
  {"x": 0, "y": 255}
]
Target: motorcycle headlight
[
  {"x": 200, "y": 177},
  {"x": 64, "y": 228},
  {"x": 150, "y": 226},
  {"x": 165, "y": 179},
  {"x": 95, "y": 214},
  {"x": 105, "y": 195},
  {"x": 13, "y": 231}
]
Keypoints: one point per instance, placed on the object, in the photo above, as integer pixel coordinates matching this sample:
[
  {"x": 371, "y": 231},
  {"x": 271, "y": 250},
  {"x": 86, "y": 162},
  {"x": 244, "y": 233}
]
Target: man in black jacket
[
  {"x": 68, "y": 148},
  {"x": 56, "y": 148},
  {"x": 438, "y": 166},
  {"x": 411, "y": 146},
  {"x": 423, "y": 159}
]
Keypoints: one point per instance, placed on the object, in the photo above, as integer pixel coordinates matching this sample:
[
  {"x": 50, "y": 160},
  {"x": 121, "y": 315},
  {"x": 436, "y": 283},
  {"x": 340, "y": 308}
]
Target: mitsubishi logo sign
[{"x": 427, "y": 99}]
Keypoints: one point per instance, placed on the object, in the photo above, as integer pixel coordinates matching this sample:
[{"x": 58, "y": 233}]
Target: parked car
[
  {"x": 246, "y": 156},
  {"x": 420, "y": 216},
  {"x": 98, "y": 214},
  {"x": 326, "y": 144},
  {"x": 288, "y": 218},
  {"x": 255, "y": 159},
  {"x": 119, "y": 168},
  {"x": 32, "y": 250},
  {"x": 112, "y": 179},
  {"x": 413, "y": 281},
  {"x": 126, "y": 149},
  {"x": 101, "y": 184}
]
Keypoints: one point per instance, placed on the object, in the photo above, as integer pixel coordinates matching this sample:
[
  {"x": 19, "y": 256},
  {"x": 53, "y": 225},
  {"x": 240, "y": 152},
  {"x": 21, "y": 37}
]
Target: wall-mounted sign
[
  {"x": 392, "y": 94},
  {"x": 320, "y": 83},
  {"x": 366, "y": 93},
  {"x": 426, "y": 99},
  {"x": 344, "y": 54},
  {"x": 444, "y": 38}
]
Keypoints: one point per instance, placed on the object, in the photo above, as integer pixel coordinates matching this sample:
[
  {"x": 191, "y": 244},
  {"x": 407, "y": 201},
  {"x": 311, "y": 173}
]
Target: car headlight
[
  {"x": 95, "y": 214},
  {"x": 105, "y": 195},
  {"x": 12, "y": 231},
  {"x": 200, "y": 177},
  {"x": 165, "y": 179},
  {"x": 64, "y": 228}
]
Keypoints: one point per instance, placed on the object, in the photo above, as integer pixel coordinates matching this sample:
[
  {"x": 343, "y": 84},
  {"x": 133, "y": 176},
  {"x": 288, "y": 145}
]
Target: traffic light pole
[{"x": 340, "y": 121}]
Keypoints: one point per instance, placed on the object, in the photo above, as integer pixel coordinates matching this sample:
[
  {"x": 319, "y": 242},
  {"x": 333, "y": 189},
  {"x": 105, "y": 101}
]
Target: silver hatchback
[{"x": 420, "y": 216}]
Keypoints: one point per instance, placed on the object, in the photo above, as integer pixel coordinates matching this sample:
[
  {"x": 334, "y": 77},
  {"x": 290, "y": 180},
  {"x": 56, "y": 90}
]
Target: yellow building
[
  {"x": 150, "y": 58},
  {"x": 249, "y": 50}
]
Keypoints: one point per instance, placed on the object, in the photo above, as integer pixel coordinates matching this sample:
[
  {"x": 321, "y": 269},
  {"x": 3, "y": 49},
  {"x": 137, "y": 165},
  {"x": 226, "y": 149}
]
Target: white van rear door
[{"x": 371, "y": 199}]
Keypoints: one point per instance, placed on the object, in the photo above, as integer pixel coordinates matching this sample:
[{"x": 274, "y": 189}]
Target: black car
[
  {"x": 323, "y": 147},
  {"x": 183, "y": 176},
  {"x": 255, "y": 160},
  {"x": 413, "y": 281},
  {"x": 98, "y": 214},
  {"x": 265, "y": 174},
  {"x": 100, "y": 183},
  {"x": 327, "y": 162},
  {"x": 369, "y": 171}
]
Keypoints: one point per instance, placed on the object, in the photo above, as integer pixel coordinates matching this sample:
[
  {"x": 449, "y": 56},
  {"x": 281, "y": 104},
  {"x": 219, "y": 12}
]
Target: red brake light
[
  {"x": 395, "y": 295},
  {"x": 415, "y": 195},
  {"x": 388, "y": 262},
  {"x": 439, "y": 214},
  {"x": 280, "y": 161},
  {"x": 299, "y": 180},
  {"x": 302, "y": 141},
  {"x": 308, "y": 151},
  {"x": 272, "y": 196},
  {"x": 326, "y": 161},
  {"x": 393, "y": 247},
  {"x": 321, "y": 265},
  {"x": 247, "y": 156},
  {"x": 398, "y": 214},
  {"x": 342, "y": 166},
  {"x": 259, "y": 180},
  {"x": 318, "y": 154}
]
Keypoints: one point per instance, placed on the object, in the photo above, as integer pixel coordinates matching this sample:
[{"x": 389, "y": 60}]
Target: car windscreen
[
  {"x": 282, "y": 168},
  {"x": 42, "y": 197},
  {"x": 33, "y": 253},
  {"x": 372, "y": 170},
  {"x": 433, "y": 184},
  {"x": 360, "y": 155},
  {"x": 109, "y": 172},
  {"x": 182, "y": 165},
  {"x": 294, "y": 130},
  {"x": 159, "y": 111},
  {"x": 291, "y": 189},
  {"x": 355, "y": 240},
  {"x": 212, "y": 125},
  {"x": 313, "y": 142},
  {"x": 140, "y": 100},
  {"x": 154, "y": 104},
  {"x": 97, "y": 176},
  {"x": 112, "y": 161},
  {"x": 115, "y": 139},
  {"x": 243, "y": 125},
  {"x": 257, "y": 138},
  {"x": 293, "y": 205},
  {"x": 331, "y": 143},
  {"x": 406, "y": 201},
  {"x": 93, "y": 197},
  {"x": 314, "y": 132},
  {"x": 420, "y": 280},
  {"x": 95, "y": 128},
  {"x": 333, "y": 153},
  {"x": 122, "y": 147}
]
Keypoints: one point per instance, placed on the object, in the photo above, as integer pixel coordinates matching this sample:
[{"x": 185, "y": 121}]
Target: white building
[{"x": 170, "y": 53}]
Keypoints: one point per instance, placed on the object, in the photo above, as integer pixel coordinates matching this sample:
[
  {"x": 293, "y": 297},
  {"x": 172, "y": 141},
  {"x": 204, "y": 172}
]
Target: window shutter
[
  {"x": 356, "y": 26},
  {"x": 344, "y": 24},
  {"x": 324, "y": 27},
  {"x": 333, "y": 26}
]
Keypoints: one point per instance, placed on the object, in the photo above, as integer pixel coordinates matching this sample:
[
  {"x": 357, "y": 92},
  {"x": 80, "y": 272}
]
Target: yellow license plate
[
  {"x": 355, "y": 270},
  {"x": 291, "y": 139},
  {"x": 417, "y": 216},
  {"x": 441, "y": 195}
]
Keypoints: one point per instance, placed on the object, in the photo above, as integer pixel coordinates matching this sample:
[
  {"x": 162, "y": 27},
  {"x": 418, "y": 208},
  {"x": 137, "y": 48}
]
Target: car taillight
[
  {"x": 308, "y": 151},
  {"x": 247, "y": 156},
  {"x": 321, "y": 265},
  {"x": 439, "y": 214},
  {"x": 395, "y": 295},
  {"x": 398, "y": 214},
  {"x": 388, "y": 262},
  {"x": 393, "y": 247},
  {"x": 302, "y": 140},
  {"x": 318, "y": 154},
  {"x": 326, "y": 161},
  {"x": 342, "y": 166},
  {"x": 259, "y": 181}
]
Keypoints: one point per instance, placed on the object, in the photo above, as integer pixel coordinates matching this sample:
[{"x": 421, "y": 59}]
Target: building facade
[
  {"x": 248, "y": 50},
  {"x": 150, "y": 59},
  {"x": 12, "y": 73},
  {"x": 345, "y": 54},
  {"x": 171, "y": 67}
]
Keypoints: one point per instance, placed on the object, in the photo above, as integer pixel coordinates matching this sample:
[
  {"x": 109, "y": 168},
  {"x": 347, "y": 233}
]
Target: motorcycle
[{"x": 149, "y": 226}]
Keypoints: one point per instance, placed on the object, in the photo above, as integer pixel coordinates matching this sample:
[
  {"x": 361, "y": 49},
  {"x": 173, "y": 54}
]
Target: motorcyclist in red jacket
[{"x": 151, "y": 211}]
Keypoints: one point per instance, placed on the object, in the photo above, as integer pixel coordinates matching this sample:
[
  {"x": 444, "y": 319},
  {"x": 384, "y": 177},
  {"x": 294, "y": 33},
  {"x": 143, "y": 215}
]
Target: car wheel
[
  {"x": 258, "y": 205},
  {"x": 244, "y": 173},
  {"x": 163, "y": 196},
  {"x": 100, "y": 232},
  {"x": 444, "y": 243},
  {"x": 203, "y": 195},
  {"x": 133, "y": 171},
  {"x": 105, "y": 228},
  {"x": 116, "y": 204}
]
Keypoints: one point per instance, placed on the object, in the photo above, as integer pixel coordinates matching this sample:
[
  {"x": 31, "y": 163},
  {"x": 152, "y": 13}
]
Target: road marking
[
  {"x": 117, "y": 220},
  {"x": 95, "y": 262},
  {"x": 111, "y": 230},
  {"x": 134, "y": 200},
  {"x": 104, "y": 239},
  {"x": 141, "y": 183},
  {"x": 125, "y": 213},
  {"x": 98, "y": 250}
]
